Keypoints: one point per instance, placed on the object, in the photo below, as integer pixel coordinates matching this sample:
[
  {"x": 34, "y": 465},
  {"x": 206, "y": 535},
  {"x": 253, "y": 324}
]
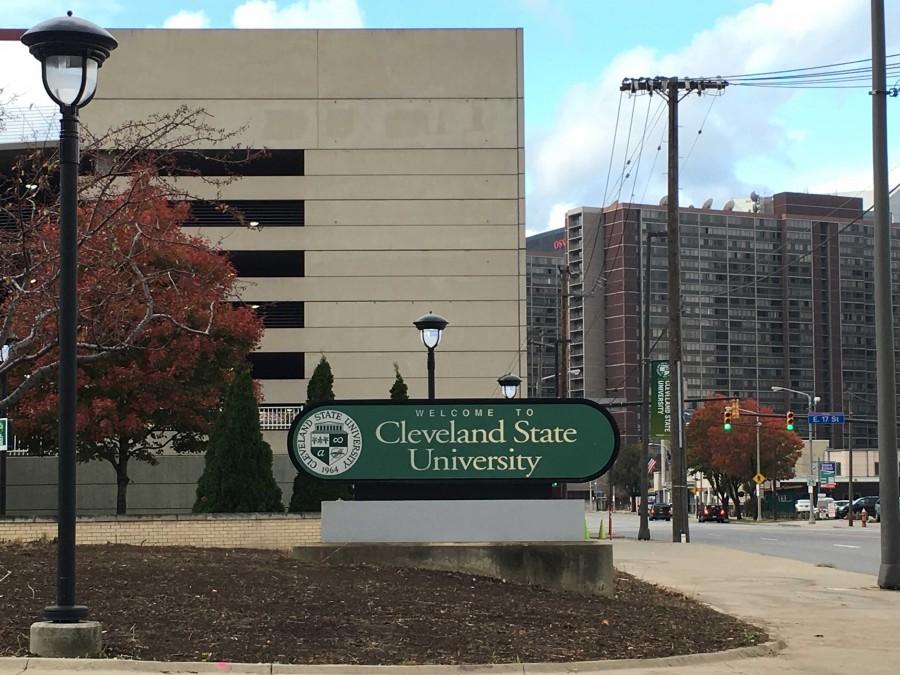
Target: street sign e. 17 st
[{"x": 826, "y": 418}]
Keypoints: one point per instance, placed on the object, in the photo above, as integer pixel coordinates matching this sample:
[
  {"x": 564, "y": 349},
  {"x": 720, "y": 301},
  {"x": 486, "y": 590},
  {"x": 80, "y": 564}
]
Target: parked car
[
  {"x": 867, "y": 503},
  {"x": 841, "y": 507},
  {"x": 878, "y": 509},
  {"x": 660, "y": 511},
  {"x": 715, "y": 512},
  {"x": 801, "y": 506}
]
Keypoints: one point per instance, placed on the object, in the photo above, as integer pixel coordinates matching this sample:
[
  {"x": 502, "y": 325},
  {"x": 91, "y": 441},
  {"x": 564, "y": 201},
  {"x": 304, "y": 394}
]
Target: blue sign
[{"x": 826, "y": 418}]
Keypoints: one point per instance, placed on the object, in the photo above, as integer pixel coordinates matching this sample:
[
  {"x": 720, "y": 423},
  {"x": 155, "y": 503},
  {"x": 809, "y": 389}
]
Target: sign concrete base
[
  {"x": 460, "y": 520},
  {"x": 66, "y": 640},
  {"x": 580, "y": 567}
]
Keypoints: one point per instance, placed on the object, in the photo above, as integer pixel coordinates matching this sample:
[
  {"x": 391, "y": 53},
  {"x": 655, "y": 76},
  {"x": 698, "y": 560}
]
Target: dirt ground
[{"x": 189, "y": 604}]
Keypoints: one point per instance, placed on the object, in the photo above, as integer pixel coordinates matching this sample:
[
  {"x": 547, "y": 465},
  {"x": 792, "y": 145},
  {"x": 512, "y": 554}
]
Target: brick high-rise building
[{"x": 781, "y": 297}]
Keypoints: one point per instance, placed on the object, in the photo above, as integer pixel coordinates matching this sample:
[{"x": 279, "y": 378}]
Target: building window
[
  {"x": 231, "y": 162},
  {"x": 268, "y": 263},
  {"x": 254, "y": 213},
  {"x": 277, "y": 314},
  {"x": 276, "y": 365}
]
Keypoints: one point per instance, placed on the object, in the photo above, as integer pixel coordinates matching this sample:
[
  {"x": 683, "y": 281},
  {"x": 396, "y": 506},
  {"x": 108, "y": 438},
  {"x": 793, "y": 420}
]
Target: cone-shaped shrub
[{"x": 237, "y": 477}]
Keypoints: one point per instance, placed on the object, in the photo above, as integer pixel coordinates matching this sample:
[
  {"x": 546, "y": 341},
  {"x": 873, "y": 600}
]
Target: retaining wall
[{"x": 253, "y": 530}]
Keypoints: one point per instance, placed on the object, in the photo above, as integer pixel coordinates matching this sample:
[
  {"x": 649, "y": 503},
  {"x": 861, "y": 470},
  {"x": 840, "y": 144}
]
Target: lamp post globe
[
  {"x": 509, "y": 385},
  {"x": 431, "y": 328},
  {"x": 71, "y": 51}
]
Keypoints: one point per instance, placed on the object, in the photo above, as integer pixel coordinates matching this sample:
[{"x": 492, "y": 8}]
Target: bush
[{"x": 237, "y": 475}]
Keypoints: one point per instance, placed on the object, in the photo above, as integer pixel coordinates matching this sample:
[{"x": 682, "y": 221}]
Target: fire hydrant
[{"x": 863, "y": 517}]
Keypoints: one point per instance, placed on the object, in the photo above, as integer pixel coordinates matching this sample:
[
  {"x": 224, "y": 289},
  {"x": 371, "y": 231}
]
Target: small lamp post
[
  {"x": 431, "y": 328},
  {"x": 509, "y": 385},
  {"x": 71, "y": 51}
]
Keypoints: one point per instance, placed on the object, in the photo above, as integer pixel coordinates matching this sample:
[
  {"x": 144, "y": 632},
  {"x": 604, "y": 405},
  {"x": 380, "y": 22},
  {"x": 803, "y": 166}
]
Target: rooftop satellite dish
[
  {"x": 707, "y": 204},
  {"x": 664, "y": 200},
  {"x": 754, "y": 197},
  {"x": 729, "y": 205}
]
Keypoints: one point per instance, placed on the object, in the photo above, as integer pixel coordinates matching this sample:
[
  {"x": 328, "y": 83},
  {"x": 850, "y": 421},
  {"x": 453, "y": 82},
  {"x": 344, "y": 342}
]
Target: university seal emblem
[{"x": 328, "y": 443}]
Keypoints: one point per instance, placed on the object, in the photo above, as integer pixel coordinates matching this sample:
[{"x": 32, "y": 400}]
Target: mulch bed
[{"x": 187, "y": 604}]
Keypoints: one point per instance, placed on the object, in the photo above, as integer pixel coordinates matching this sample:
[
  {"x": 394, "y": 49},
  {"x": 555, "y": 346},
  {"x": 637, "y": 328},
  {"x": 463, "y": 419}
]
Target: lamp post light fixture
[
  {"x": 509, "y": 385},
  {"x": 71, "y": 51},
  {"x": 431, "y": 328},
  {"x": 811, "y": 400}
]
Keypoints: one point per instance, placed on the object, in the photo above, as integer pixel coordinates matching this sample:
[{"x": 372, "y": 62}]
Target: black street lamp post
[
  {"x": 71, "y": 51},
  {"x": 509, "y": 385},
  {"x": 431, "y": 328}
]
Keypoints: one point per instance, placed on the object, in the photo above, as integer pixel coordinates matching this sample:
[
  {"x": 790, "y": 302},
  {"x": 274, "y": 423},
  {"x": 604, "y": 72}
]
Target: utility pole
[
  {"x": 758, "y": 468},
  {"x": 563, "y": 369},
  {"x": 671, "y": 89},
  {"x": 889, "y": 572}
]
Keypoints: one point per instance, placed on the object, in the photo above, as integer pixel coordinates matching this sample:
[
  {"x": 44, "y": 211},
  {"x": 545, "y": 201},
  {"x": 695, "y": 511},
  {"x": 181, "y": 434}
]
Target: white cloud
[
  {"x": 301, "y": 14},
  {"x": 556, "y": 219},
  {"x": 20, "y": 82},
  {"x": 188, "y": 19},
  {"x": 743, "y": 128}
]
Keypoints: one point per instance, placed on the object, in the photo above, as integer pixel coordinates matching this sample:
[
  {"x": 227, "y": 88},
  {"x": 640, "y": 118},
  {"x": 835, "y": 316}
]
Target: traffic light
[
  {"x": 726, "y": 422},
  {"x": 735, "y": 408},
  {"x": 789, "y": 420}
]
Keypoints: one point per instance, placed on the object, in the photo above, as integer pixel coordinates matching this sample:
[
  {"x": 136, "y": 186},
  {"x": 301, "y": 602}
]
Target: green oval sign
[{"x": 459, "y": 439}]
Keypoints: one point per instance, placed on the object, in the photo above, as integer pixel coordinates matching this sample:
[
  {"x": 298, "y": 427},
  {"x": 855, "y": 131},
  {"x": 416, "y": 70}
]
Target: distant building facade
[
  {"x": 782, "y": 297},
  {"x": 544, "y": 254}
]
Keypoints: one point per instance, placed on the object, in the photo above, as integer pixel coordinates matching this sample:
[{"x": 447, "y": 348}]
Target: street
[{"x": 828, "y": 542}]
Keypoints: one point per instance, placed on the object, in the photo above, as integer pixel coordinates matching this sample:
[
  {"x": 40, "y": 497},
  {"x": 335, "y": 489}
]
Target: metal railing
[{"x": 277, "y": 417}]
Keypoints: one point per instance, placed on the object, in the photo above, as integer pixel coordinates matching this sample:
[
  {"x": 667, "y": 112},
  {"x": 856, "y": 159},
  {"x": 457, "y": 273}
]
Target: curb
[{"x": 174, "y": 667}]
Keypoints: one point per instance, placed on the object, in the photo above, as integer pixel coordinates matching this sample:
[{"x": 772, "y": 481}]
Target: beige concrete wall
[
  {"x": 414, "y": 186},
  {"x": 252, "y": 530}
]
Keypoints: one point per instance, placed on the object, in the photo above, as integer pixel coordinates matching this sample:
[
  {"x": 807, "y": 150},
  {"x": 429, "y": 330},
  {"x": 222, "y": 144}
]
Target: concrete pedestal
[{"x": 66, "y": 640}]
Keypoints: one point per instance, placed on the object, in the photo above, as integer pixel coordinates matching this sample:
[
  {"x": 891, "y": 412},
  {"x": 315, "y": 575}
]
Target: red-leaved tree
[
  {"x": 728, "y": 458},
  {"x": 162, "y": 390},
  {"x": 157, "y": 333}
]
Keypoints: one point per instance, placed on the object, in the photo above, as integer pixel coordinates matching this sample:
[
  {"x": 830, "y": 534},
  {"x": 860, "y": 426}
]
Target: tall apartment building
[
  {"x": 544, "y": 254},
  {"x": 399, "y": 189},
  {"x": 780, "y": 297}
]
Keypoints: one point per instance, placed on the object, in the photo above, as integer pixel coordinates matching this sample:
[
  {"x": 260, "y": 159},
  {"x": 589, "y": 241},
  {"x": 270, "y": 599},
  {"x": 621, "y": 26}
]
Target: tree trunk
[
  {"x": 122, "y": 481},
  {"x": 737, "y": 502},
  {"x": 633, "y": 503}
]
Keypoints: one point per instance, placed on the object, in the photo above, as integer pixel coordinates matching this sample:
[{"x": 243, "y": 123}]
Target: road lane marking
[
  {"x": 845, "y": 546},
  {"x": 768, "y": 539}
]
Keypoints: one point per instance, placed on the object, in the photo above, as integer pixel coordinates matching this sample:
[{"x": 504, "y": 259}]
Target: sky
[{"x": 576, "y": 54}]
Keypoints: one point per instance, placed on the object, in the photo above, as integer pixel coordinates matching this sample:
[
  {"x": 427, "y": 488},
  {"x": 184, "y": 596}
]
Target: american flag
[{"x": 651, "y": 465}]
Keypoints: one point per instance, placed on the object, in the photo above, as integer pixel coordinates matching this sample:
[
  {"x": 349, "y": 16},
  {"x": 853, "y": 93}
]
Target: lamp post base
[
  {"x": 82, "y": 639},
  {"x": 65, "y": 613}
]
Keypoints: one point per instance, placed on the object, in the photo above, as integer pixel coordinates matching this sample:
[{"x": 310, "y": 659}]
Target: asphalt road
[{"x": 828, "y": 542}]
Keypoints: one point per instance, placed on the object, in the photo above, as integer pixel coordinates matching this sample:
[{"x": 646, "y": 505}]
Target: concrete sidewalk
[{"x": 830, "y": 621}]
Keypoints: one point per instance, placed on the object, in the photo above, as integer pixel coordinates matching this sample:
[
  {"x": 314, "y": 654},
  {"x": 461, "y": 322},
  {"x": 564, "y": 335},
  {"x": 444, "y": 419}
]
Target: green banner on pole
[
  {"x": 660, "y": 400},
  {"x": 454, "y": 439},
  {"x": 4, "y": 433}
]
